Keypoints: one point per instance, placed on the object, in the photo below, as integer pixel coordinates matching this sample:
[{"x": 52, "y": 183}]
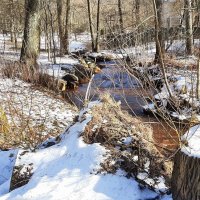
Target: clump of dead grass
[
  {"x": 130, "y": 142},
  {"x": 33, "y": 75}
]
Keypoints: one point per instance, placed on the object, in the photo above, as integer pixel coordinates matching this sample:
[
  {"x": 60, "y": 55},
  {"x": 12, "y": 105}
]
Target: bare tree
[
  {"x": 60, "y": 25},
  {"x": 94, "y": 38},
  {"x": 160, "y": 45},
  {"x": 90, "y": 24},
  {"x": 96, "y": 49},
  {"x": 67, "y": 27},
  {"x": 198, "y": 77},
  {"x": 31, "y": 40},
  {"x": 137, "y": 11},
  {"x": 188, "y": 23},
  {"x": 120, "y": 15}
]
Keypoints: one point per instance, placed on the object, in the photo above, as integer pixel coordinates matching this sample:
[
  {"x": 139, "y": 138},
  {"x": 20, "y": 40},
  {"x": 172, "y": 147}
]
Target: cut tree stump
[
  {"x": 22, "y": 171},
  {"x": 186, "y": 171}
]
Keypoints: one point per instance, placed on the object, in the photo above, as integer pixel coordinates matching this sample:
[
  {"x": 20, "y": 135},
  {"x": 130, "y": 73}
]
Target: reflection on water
[{"x": 125, "y": 88}]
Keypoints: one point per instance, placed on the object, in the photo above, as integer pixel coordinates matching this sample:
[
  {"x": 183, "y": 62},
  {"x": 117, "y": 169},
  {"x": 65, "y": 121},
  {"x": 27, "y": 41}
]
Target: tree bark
[
  {"x": 186, "y": 177},
  {"x": 30, "y": 45},
  {"x": 160, "y": 43},
  {"x": 160, "y": 46},
  {"x": 67, "y": 27},
  {"x": 90, "y": 24},
  {"x": 11, "y": 21},
  {"x": 120, "y": 16},
  {"x": 52, "y": 33},
  {"x": 96, "y": 49},
  {"x": 188, "y": 24},
  {"x": 198, "y": 78},
  {"x": 137, "y": 11},
  {"x": 60, "y": 25}
]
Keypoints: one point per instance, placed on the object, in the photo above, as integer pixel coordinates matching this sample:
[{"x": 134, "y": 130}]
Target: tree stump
[{"x": 186, "y": 171}]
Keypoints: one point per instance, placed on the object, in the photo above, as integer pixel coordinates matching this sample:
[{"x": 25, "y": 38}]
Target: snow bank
[
  {"x": 68, "y": 170},
  {"x": 191, "y": 141}
]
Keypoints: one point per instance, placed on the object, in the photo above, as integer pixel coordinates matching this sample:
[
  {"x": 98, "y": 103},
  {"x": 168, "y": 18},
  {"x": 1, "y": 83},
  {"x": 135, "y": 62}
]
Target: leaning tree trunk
[
  {"x": 30, "y": 45},
  {"x": 186, "y": 177}
]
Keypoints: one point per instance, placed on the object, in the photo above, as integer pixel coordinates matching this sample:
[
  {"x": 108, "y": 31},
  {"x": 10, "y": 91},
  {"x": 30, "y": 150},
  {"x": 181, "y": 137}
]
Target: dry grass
[
  {"x": 111, "y": 127},
  {"x": 31, "y": 75}
]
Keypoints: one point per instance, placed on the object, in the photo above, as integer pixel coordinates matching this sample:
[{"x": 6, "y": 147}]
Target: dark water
[
  {"x": 116, "y": 81},
  {"x": 126, "y": 89}
]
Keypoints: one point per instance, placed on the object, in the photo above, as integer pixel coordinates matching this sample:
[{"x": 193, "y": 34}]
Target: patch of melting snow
[
  {"x": 179, "y": 116},
  {"x": 127, "y": 140},
  {"x": 159, "y": 185},
  {"x": 192, "y": 147}
]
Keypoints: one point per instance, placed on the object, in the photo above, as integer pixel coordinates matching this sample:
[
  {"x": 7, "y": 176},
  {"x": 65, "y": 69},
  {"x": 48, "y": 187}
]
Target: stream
[{"x": 126, "y": 89}]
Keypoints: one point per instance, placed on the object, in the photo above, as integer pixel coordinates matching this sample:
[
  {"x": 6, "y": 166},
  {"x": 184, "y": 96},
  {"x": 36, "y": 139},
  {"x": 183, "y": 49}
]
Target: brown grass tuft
[{"x": 110, "y": 126}]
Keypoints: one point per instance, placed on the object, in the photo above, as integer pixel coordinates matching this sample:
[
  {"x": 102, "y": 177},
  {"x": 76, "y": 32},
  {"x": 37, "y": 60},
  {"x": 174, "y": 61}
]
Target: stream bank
[{"x": 115, "y": 80}]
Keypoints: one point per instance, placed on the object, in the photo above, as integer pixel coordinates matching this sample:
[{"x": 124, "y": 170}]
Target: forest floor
[
  {"x": 63, "y": 167},
  {"x": 74, "y": 169},
  {"x": 69, "y": 165}
]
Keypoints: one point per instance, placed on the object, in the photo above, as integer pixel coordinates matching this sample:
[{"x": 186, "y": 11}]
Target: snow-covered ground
[
  {"x": 69, "y": 170},
  {"x": 191, "y": 140},
  {"x": 27, "y": 107}
]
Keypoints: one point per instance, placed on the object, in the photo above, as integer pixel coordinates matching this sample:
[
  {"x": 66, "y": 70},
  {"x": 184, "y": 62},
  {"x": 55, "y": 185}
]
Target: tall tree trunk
[
  {"x": 30, "y": 45},
  {"x": 52, "y": 33},
  {"x": 67, "y": 27},
  {"x": 11, "y": 21},
  {"x": 160, "y": 47},
  {"x": 160, "y": 43},
  {"x": 96, "y": 49},
  {"x": 120, "y": 16},
  {"x": 60, "y": 25},
  {"x": 137, "y": 11},
  {"x": 47, "y": 37},
  {"x": 90, "y": 24},
  {"x": 198, "y": 78},
  {"x": 188, "y": 23}
]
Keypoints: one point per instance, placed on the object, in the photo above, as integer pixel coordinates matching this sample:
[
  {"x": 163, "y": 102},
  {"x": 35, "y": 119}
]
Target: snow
[
  {"x": 68, "y": 170},
  {"x": 149, "y": 107},
  {"x": 40, "y": 108},
  {"x": 108, "y": 54},
  {"x": 7, "y": 161},
  {"x": 76, "y": 46},
  {"x": 127, "y": 140},
  {"x": 192, "y": 148}
]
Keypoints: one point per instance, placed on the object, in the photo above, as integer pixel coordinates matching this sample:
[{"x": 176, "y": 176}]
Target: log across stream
[{"x": 125, "y": 88}]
